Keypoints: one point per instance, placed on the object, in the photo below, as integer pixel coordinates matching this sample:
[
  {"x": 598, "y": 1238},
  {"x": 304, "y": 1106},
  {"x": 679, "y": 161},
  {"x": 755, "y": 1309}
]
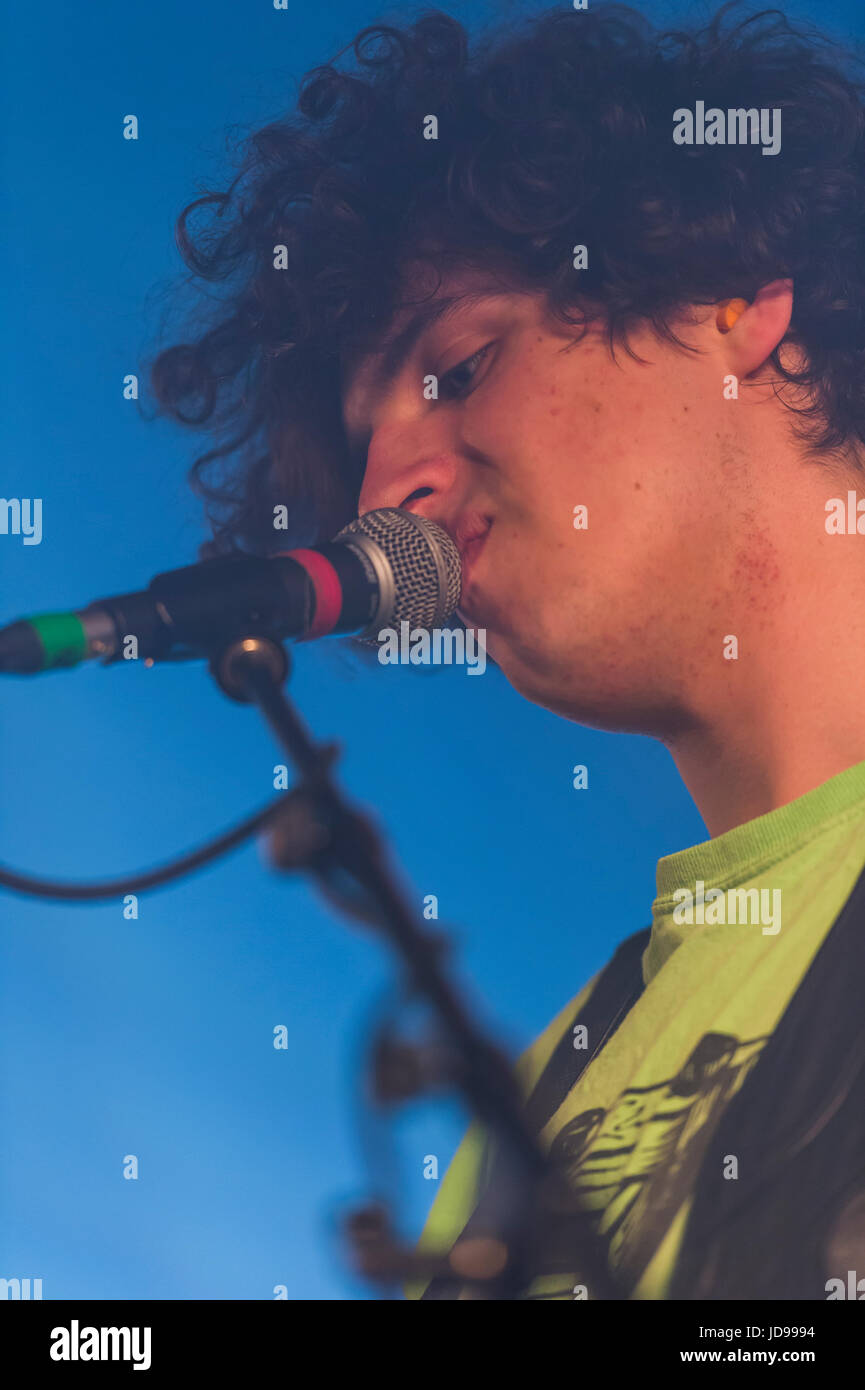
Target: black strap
[
  {"x": 795, "y": 1216},
  {"x": 617, "y": 988}
]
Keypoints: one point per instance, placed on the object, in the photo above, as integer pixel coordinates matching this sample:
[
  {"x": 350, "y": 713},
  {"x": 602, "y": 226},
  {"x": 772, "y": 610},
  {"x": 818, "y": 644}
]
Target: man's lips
[
  {"x": 470, "y": 538},
  {"x": 469, "y": 533},
  {"x": 469, "y": 553}
]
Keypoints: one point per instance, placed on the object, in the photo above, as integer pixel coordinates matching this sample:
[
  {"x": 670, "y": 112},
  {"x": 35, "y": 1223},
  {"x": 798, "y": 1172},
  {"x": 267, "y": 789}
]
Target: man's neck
[{"x": 788, "y": 712}]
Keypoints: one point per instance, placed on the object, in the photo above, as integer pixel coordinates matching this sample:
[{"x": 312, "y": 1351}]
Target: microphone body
[{"x": 386, "y": 566}]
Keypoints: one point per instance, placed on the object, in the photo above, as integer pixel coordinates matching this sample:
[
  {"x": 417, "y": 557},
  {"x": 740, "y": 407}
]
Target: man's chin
[
  {"x": 530, "y": 674},
  {"x": 555, "y": 681},
  {"x": 574, "y": 694}
]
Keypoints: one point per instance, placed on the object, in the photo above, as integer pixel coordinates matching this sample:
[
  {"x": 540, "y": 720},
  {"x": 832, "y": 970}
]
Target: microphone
[{"x": 388, "y": 566}]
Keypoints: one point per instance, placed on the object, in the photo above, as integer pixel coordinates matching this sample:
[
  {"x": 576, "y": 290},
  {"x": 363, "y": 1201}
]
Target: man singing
[{"x": 592, "y": 297}]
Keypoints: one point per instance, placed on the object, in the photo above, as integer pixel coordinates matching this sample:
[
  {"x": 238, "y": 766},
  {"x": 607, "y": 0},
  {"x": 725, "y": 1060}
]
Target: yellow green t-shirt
[{"x": 735, "y": 925}]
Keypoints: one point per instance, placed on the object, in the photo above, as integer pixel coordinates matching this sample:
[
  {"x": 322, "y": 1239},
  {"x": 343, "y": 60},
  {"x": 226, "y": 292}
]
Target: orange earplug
[{"x": 728, "y": 312}]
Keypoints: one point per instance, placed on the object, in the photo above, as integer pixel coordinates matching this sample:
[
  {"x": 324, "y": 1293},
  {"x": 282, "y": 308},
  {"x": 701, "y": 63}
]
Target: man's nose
[{"x": 399, "y": 476}]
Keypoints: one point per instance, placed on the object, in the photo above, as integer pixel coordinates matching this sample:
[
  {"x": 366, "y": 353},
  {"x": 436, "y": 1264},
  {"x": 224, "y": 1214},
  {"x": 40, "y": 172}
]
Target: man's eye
[{"x": 459, "y": 380}]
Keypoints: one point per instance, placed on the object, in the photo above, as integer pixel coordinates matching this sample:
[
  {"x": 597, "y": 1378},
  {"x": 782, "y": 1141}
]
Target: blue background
[{"x": 155, "y": 1037}]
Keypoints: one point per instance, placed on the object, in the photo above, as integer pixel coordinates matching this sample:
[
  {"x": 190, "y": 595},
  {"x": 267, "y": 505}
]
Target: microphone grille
[{"x": 417, "y": 566}]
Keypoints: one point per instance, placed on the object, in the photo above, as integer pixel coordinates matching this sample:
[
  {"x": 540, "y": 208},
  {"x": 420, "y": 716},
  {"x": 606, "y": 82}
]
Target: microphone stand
[{"x": 319, "y": 831}]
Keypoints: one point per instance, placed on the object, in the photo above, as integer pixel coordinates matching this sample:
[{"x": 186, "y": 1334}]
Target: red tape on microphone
[{"x": 327, "y": 589}]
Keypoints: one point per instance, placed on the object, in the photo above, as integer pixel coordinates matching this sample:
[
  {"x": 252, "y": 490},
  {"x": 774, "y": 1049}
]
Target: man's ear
[{"x": 759, "y": 330}]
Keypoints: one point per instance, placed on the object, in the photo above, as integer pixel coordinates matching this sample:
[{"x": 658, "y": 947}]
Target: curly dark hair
[{"x": 554, "y": 134}]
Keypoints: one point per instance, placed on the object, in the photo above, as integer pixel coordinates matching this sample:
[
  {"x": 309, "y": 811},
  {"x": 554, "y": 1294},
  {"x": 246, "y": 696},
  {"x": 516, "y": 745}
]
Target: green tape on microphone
[{"x": 62, "y": 637}]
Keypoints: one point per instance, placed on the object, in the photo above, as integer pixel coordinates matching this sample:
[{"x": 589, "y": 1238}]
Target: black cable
[{"x": 113, "y": 888}]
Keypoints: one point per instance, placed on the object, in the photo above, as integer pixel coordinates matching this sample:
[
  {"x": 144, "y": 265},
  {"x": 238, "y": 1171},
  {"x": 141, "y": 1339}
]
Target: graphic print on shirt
[{"x": 630, "y": 1169}]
